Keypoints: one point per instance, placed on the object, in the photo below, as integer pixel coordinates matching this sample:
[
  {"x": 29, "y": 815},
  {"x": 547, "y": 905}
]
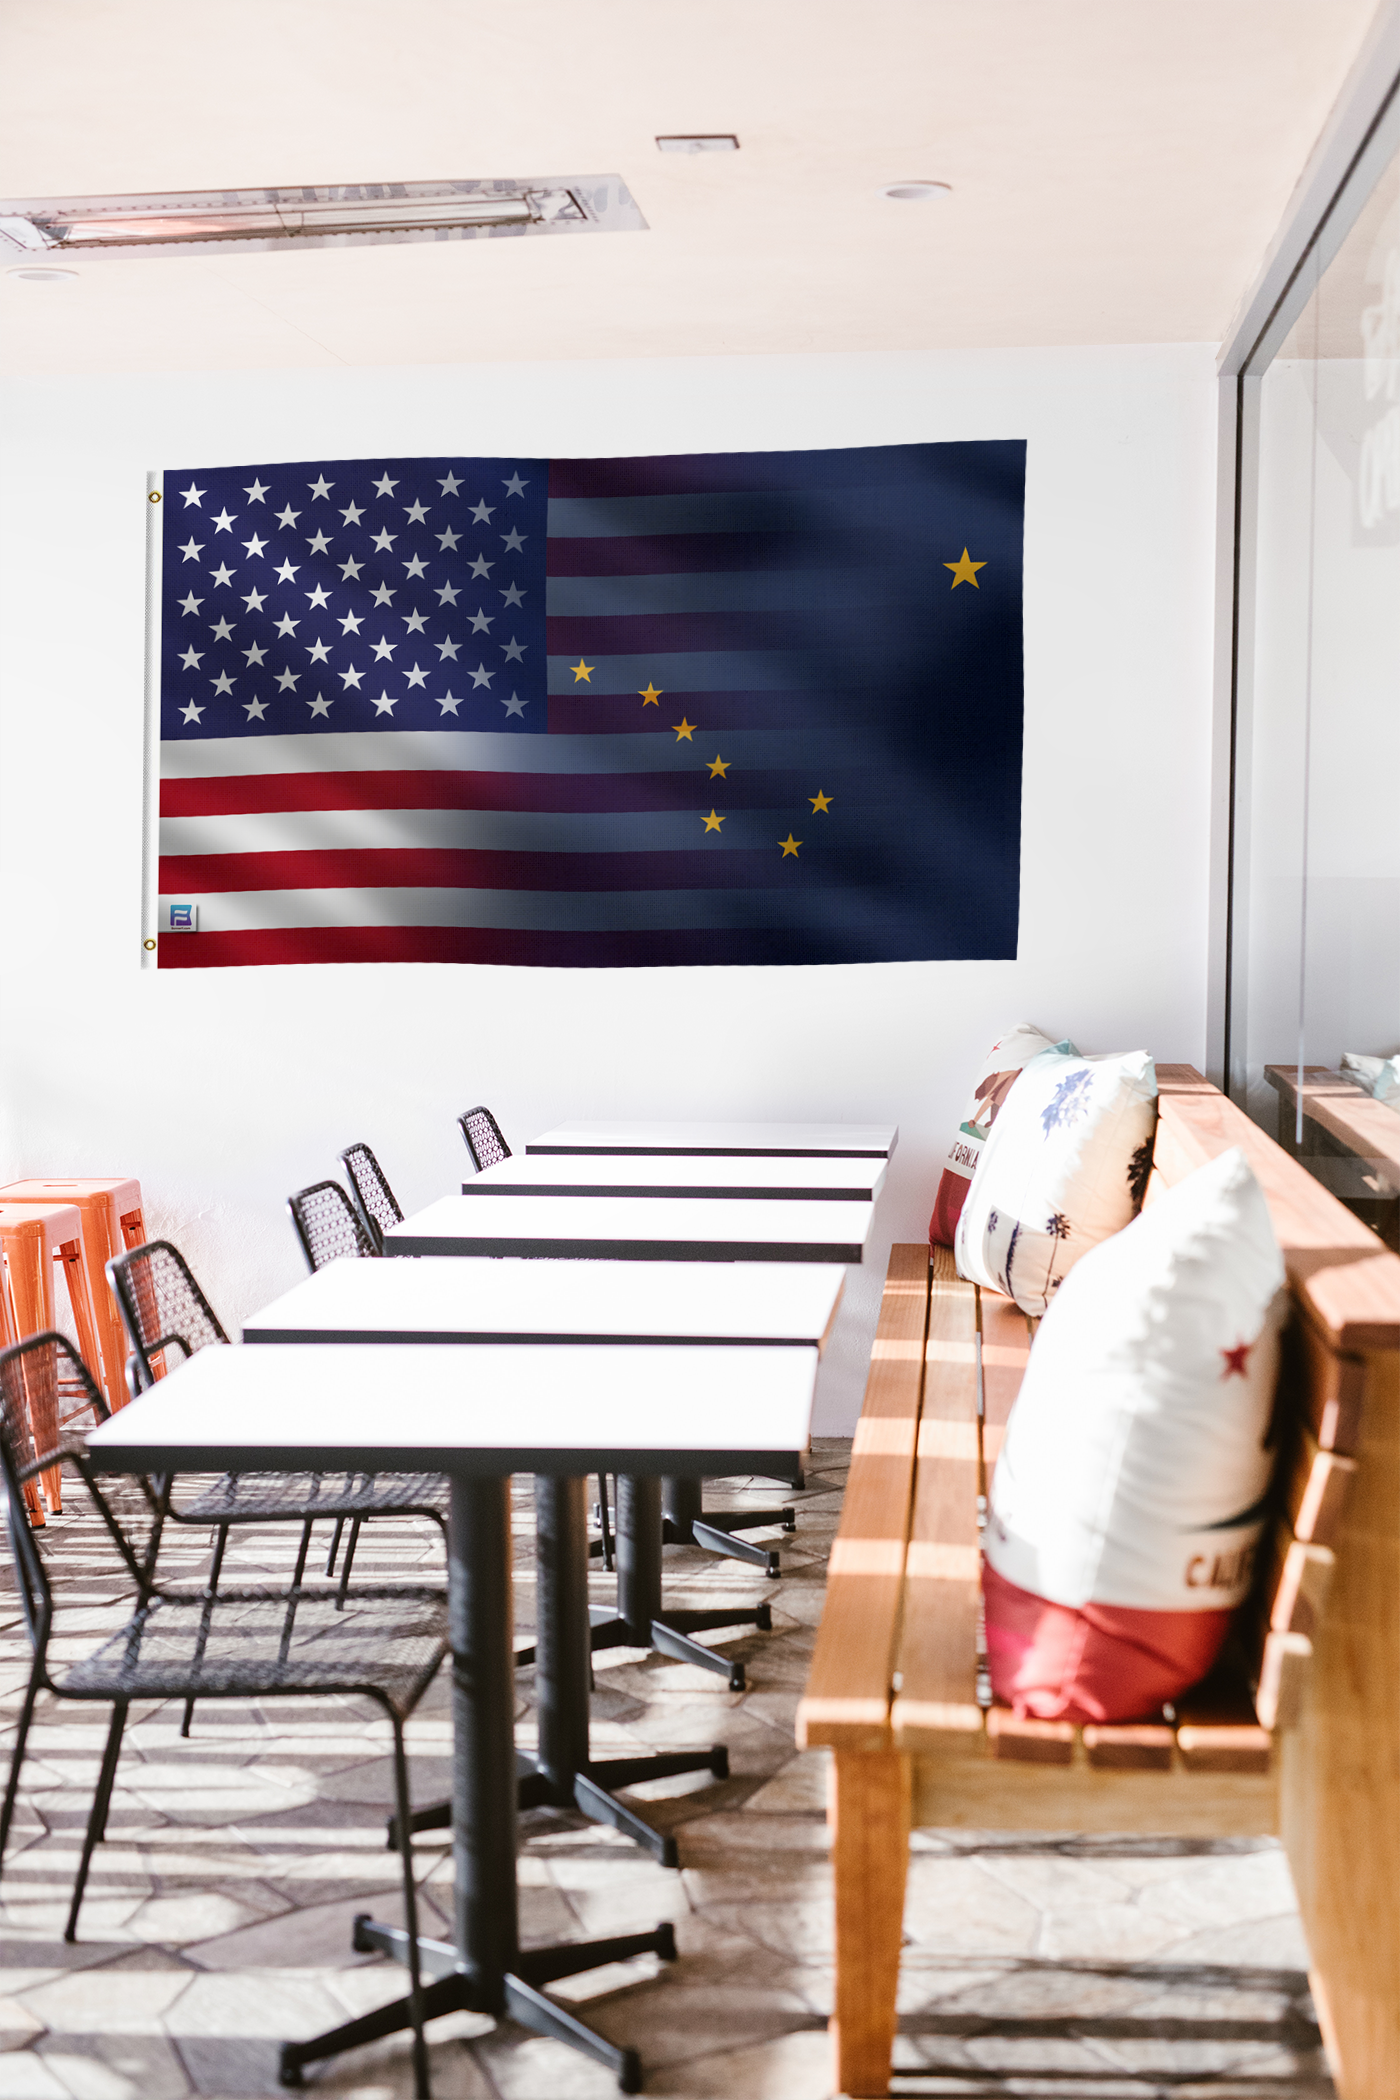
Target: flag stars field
[
  {"x": 965, "y": 570},
  {"x": 790, "y": 846}
]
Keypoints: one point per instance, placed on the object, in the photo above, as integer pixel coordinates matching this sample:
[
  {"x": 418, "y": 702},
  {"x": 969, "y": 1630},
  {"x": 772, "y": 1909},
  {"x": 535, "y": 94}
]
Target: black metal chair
[
  {"x": 481, "y": 1134},
  {"x": 328, "y": 1225},
  {"x": 163, "y": 1310},
  {"x": 379, "y": 1206},
  {"x": 210, "y": 1644}
]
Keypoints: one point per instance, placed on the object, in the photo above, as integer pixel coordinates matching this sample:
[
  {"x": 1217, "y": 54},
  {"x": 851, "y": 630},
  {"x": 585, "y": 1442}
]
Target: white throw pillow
[
  {"x": 1065, "y": 1164},
  {"x": 996, "y": 1076},
  {"x": 1134, "y": 1469},
  {"x": 1379, "y": 1075}
]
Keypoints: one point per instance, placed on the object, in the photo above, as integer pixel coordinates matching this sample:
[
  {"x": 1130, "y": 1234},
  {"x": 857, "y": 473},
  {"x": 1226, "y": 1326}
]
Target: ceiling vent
[{"x": 353, "y": 215}]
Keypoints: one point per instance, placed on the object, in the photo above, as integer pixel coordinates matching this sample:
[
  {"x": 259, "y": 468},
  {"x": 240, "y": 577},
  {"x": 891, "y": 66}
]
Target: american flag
[{"x": 730, "y": 708}]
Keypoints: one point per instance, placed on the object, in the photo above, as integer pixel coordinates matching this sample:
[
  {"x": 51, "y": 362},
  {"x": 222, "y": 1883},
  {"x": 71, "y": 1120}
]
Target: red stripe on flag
[{"x": 481, "y": 944}]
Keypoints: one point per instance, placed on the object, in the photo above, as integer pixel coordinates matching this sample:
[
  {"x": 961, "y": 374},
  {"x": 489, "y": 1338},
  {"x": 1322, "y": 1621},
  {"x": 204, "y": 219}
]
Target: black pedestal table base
[
  {"x": 483, "y": 1968},
  {"x": 686, "y": 1522},
  {"x": 563, "y": 1773}
]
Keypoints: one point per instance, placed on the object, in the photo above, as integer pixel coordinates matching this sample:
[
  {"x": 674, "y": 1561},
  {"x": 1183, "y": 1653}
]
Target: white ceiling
[{"x": 1117, "y": 170}]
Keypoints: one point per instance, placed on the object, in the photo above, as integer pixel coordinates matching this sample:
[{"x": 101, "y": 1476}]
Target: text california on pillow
[{"x": 1064, "y": 1166}]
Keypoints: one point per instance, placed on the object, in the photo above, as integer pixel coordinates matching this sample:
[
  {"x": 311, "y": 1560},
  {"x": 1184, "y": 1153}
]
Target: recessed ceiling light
[
  {"x": 916, "y": 192},
  {"x": 38, "y": 276},
  {"x": 697, "y": 142},
  {"x": 348, "y": 214}
]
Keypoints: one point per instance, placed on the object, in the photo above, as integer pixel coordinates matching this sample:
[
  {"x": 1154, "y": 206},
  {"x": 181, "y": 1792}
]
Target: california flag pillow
[
  {"x": 1065, "y": 1165},
  {"x": 1130, "y": 1493},
  {"x": 998, "y": 1074}
]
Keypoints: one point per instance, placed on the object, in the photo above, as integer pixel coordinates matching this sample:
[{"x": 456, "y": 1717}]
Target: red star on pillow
[{"x": 1235, "y": 1360}]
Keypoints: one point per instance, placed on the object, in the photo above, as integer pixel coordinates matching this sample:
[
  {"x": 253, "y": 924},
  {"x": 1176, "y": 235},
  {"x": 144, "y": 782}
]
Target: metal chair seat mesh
[
  {"x": 377, "y": 1199},
  {"x": 251, "y": 1496},
  {"x": 483, "y": 1137},
  {"x": 246, "y": 1642}
]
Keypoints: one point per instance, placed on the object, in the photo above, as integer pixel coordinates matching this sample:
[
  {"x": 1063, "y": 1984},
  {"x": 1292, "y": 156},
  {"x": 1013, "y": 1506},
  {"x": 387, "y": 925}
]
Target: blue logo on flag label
[{"x": 184, "y": 918}]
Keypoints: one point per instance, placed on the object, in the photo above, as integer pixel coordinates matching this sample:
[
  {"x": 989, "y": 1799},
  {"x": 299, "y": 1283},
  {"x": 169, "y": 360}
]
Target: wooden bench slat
[
  {"x": 1322, "y": 1386},
  {"x": 1006, "y": 1348},
  {"x": 1316, "y": 1490},
  {"x": 937, "y": 1664},
  {"x": 1148, "y": 1747},
  {"x": 846, "y": 1703}
]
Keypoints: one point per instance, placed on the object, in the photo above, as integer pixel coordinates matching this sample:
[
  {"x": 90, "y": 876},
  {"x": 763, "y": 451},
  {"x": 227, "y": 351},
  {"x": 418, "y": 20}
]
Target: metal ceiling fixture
[
  {"x": 697, "y": 142},
  {"x": 346, "y": 215}
]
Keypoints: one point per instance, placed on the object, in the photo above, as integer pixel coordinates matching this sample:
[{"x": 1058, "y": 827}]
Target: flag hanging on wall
[{"x": 732, "y": 708}]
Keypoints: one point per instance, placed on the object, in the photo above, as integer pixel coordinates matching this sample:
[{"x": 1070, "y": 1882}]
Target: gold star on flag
[
  {"x": 719, "y": 767},
  {"x": 581, "y": 670},
  {"x": 820, "y": 803},
  {"x": 650, "y": 694},
  {"x": 965, "y": 571},
  {"x": 684, "y": 729},
  {"x": 789, "y": 845},
  {"x": 712, "y": 822}
]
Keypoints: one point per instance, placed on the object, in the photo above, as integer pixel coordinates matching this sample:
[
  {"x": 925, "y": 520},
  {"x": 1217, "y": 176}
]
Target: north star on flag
[{"x": 730, "y": 708}]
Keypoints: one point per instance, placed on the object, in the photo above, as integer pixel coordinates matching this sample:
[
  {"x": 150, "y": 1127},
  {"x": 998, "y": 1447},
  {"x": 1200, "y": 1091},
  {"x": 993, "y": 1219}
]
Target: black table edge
[
  {"x": 485, "y": 1244},
  {"x": 530, "y": 1338},
  {"x": 477, "y": 1463}
]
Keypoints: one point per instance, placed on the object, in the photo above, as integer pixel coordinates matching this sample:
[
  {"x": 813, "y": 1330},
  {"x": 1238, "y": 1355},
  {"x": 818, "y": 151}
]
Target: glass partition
[{"x": 1315, "y": 1015}]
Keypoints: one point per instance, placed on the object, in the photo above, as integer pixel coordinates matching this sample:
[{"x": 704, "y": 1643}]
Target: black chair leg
[
  {"x": 350, "y": 1544},
  {"x": 410, "y": 1915},
  {"x": 97, "y": 1821},
  {"x": 26, "y": 1715},
  {"x": 215, "y": 1568},
  {"x": 603, "y": 1524},
  {"x": 335, "y": 1547}
]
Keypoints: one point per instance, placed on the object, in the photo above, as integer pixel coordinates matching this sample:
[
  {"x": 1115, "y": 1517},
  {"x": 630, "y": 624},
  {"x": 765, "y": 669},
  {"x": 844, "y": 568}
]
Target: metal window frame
[{"x": 1357, "y": 144}]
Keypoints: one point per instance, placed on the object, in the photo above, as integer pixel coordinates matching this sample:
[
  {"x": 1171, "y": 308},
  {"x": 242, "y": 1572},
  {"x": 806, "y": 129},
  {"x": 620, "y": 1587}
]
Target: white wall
[{"x": 223, "y": 1090}]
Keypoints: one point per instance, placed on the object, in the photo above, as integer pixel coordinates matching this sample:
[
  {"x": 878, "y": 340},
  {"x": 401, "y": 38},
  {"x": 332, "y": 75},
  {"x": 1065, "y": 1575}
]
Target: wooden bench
[
  {"x": 1357, "y": 1136},
  {"x": 1298, "y": 1734}
]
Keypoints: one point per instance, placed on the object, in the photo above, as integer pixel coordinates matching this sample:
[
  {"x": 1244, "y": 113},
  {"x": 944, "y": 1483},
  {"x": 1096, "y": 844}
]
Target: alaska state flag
[{"x": 754, "y": 707}]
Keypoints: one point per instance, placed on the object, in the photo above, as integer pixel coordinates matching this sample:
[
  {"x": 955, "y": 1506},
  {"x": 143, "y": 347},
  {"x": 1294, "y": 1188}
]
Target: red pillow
[{"x": 1094, "y": 1662}]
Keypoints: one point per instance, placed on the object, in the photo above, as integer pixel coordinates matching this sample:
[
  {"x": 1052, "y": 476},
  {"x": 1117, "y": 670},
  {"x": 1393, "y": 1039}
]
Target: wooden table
[
  {"x": 1352, "y": 1144},
  {"x": 637, "y": 1228},
  {"x": 478, "y": 1416},
  {"x": 722, "y": 1140}
]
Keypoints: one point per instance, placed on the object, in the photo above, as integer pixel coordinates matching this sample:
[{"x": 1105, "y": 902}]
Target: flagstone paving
[{"x": 217, "y": 1922}]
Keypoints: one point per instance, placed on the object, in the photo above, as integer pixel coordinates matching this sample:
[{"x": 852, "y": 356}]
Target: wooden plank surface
[
  {"x": 846, "y": 1703},
  {"x": 957, "y": 1794},
  {"x": 1006, "y": 1348},
  {"x": 869, "y": 1820},
  {"x": 1338, "y": 1105},
  {"x": 1331, "y": 1257},
  {"x": 937, "y": 1657}
]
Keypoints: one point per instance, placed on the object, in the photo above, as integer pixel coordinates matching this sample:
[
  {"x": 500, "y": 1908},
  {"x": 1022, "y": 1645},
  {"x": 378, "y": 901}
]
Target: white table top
[
  {"x": 735, "y": 1140},
  {"x": 487, "y": 1411},
  {"x": 451, "y": 1299},
  {"x": 793, "y": 1180},
  {"x": 637, "y": 1228}
]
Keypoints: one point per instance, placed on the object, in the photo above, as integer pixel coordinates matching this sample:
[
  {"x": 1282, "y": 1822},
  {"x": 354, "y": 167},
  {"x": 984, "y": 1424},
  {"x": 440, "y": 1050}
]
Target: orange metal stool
[
  {"x": 32, "y": 1237},
  {"x": 9, "y": 1335},
  {"x": 112, "y": 1224}
]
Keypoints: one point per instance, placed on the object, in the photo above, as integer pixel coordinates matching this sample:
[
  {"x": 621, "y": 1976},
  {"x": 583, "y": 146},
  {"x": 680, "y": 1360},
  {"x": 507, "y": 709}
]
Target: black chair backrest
[
  {"x": 161, "y": 1305},
  {"x": 32, "y": 1372},
  {"x": 482, "y": 1134},
  {"x": 379, "y": 1206},
  {"x": 327, "y": 1225}
]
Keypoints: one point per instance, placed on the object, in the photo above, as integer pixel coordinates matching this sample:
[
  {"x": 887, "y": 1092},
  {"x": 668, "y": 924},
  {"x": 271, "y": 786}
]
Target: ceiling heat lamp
[{"x": 353, "y": 215}]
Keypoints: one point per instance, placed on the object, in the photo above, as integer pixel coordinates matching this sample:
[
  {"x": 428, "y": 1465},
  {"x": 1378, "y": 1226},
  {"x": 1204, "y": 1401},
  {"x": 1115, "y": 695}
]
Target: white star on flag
[
  {"x": 514, "y": 651},
  {"x": 483, "y": 513},
  {"x": 417, "y": 677},
  {"x": 192, "y": 659},
  {"x": 515, "y": 486},
  {"x": 450, "y": 486},
  {"x": 384, "y": 705},
  {"x": 255, "y": 495},
  {"x": 415, "y": 513},
  {"x": 320, "y": 706},
  {"x": 481, "y": 676},
  {"x": 255, "y": 710},
  {"x": 224, "y": 522},
  {"x": 192, "y": 495},
  {"x": 385, "y": 486},
  {"x": 191, "y": 713},
  {"x": 223, "y": 574},
  {"x": 191, "y": 548},
  {"x": 320, "y": 487},
  {"x": 514, "y": 706},
  {"x": 254, "y": 545},
  {"x": 449, "y": 702}
]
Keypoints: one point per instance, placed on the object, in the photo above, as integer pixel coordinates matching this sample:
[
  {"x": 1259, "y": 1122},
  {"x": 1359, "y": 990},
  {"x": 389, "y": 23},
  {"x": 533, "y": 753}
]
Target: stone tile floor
[{"x": 217, "y": 1921}]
